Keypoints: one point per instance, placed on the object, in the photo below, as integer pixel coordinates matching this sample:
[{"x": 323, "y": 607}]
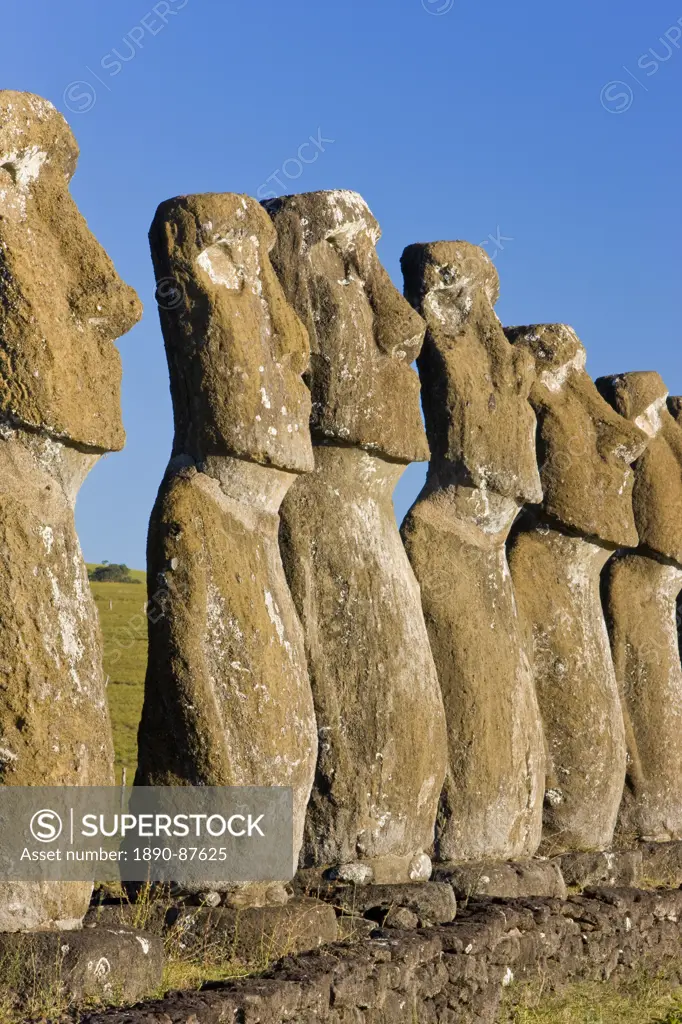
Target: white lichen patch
[
  {"x": 352, "y": 217},
  {"x": 450, "y": 303},
  {"x": 22, "y": 167},
  {"x": 217, "y": 263},
  {"x": 650, "y": 420},
  {"x": 275, "y": 619},
  {"x": 7, "y": 758},
  {"x": 555, "y": 379},
  {"x": 426, "y": 791},
  {"x": 232, "y": 261},
  {"x": 223, "y": 632},
  {"x": 48, "y": 537},
  {"x": 100, "y": 968},
  {"x": 420, "y": 868},
  {"x": 68, "y": 633}
]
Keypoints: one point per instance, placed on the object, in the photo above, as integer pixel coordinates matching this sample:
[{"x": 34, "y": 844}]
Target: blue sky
[{"x": 550, "y": 130}]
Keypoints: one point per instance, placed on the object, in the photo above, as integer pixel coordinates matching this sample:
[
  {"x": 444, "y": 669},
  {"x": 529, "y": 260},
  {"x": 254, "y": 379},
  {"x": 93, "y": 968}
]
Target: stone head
[
  {"x": 475, "y": 385},
  {"x": 657, "y": 495},
  {"x": 363, "y": 334},
  {"x": 585, "y": 448},
  {"x": 236, "y": 349},
  {"x": 62, "y": 304}
]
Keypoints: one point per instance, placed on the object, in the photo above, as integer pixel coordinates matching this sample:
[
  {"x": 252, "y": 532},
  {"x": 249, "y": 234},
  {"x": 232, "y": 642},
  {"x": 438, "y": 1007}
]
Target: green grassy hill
[{"x": 124, "y": 629}]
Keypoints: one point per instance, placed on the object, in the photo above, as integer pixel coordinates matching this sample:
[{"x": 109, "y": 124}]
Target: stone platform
[
  {"x": 647, "y": 865},
  {"x": 104, "y": 964},
  {"x": 445, "y": 949},
  {"x": 448, "y": 974}
]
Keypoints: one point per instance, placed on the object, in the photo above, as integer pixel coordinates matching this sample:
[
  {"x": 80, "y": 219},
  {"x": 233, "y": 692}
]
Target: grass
[
  {"x": 645, "y": 998},
  {"x": 124, "y": 629},
  {"x": 33, "y": 989},
  {"x": 41, "y": 998},
  {"x": 33, "y": 992},
  {"x": 213, "y": 958}
]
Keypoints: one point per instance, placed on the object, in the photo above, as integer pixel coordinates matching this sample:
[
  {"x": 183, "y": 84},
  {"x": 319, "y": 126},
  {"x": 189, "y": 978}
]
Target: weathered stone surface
[
  {"x": 501, "y": 878},
  {"x": 53, "y": 713},
  {"x": 96, "y": 964},
  {"x": 589, "y": 869},
  {"x": 227, "y": 696},
  {"x": 54, "y": 720},
  {"x": 585, "y": 448},
  {"x": 356, "y": 872},
  {"x": 431, "y": 902},
  {"x": 657, "y": 491},
  {"x": 475, "y": 384},
  {"x": 379, "y": 712},
  {"x": 148, "y": 917},
  {"x": 675, "y": 410},
  {"x": 454, "y": 973},
  {"x": 556, "y": 557},
  {"x": 400, "y": 917},
  {"x": 255, "y": 935},
  {"x": 236, "y": 349},
  {"x": 363, "y": 334},
  {"x": 556, "y": 579},
  {"x": 641, "y": 609},
  {"x": 641, "y": 590},
  {"x": 662, "y": 864},
  {"x": 379, "y": 709},
  {"x": 352, "y": 928},
  {"x": 61, "y": 307},
  {"x": 62, "y": 304},
  {"x": 481, "y": 432}
]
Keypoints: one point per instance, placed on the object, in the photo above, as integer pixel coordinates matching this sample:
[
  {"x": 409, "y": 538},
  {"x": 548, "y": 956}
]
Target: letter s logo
[
  {"x": 46, "y": 826},
  {"x": 617, "y": 97}
]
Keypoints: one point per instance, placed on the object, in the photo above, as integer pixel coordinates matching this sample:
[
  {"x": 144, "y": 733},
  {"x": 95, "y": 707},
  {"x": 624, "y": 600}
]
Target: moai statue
[
  {"x": 641, "y": 589},
  {"x": 675, "y": 410},
  {"x": 227, "y": 695},
  {"x": 379, "y": 710},
  {"x": 481, "y": 432},
  {"x": 62, "y": 306},
  {"x": 556, "y": 555}
]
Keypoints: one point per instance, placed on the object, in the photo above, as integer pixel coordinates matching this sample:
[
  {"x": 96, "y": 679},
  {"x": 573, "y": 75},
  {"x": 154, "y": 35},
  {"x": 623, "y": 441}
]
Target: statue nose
[
  {"x": 113, "y": 307},
  {"x": 399, "y": 329},
  {"x": 624, "y": 440}
]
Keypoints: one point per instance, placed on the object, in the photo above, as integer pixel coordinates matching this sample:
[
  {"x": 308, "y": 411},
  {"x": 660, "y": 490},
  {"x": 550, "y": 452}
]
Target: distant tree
[{"x": 109, "y": 572}]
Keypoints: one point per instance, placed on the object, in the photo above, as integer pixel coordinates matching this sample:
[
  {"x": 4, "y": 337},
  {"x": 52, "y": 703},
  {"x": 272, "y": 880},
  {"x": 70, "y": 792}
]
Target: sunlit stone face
[
  {"x": 475, "y": 384},
  {"x": 363, "y": 334},
  {"x": 657, "y": 495},
  {"x": 62, "y": 304},
  {"x": 236, "y": 349},
  {"x": 585, "y": 449}
]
